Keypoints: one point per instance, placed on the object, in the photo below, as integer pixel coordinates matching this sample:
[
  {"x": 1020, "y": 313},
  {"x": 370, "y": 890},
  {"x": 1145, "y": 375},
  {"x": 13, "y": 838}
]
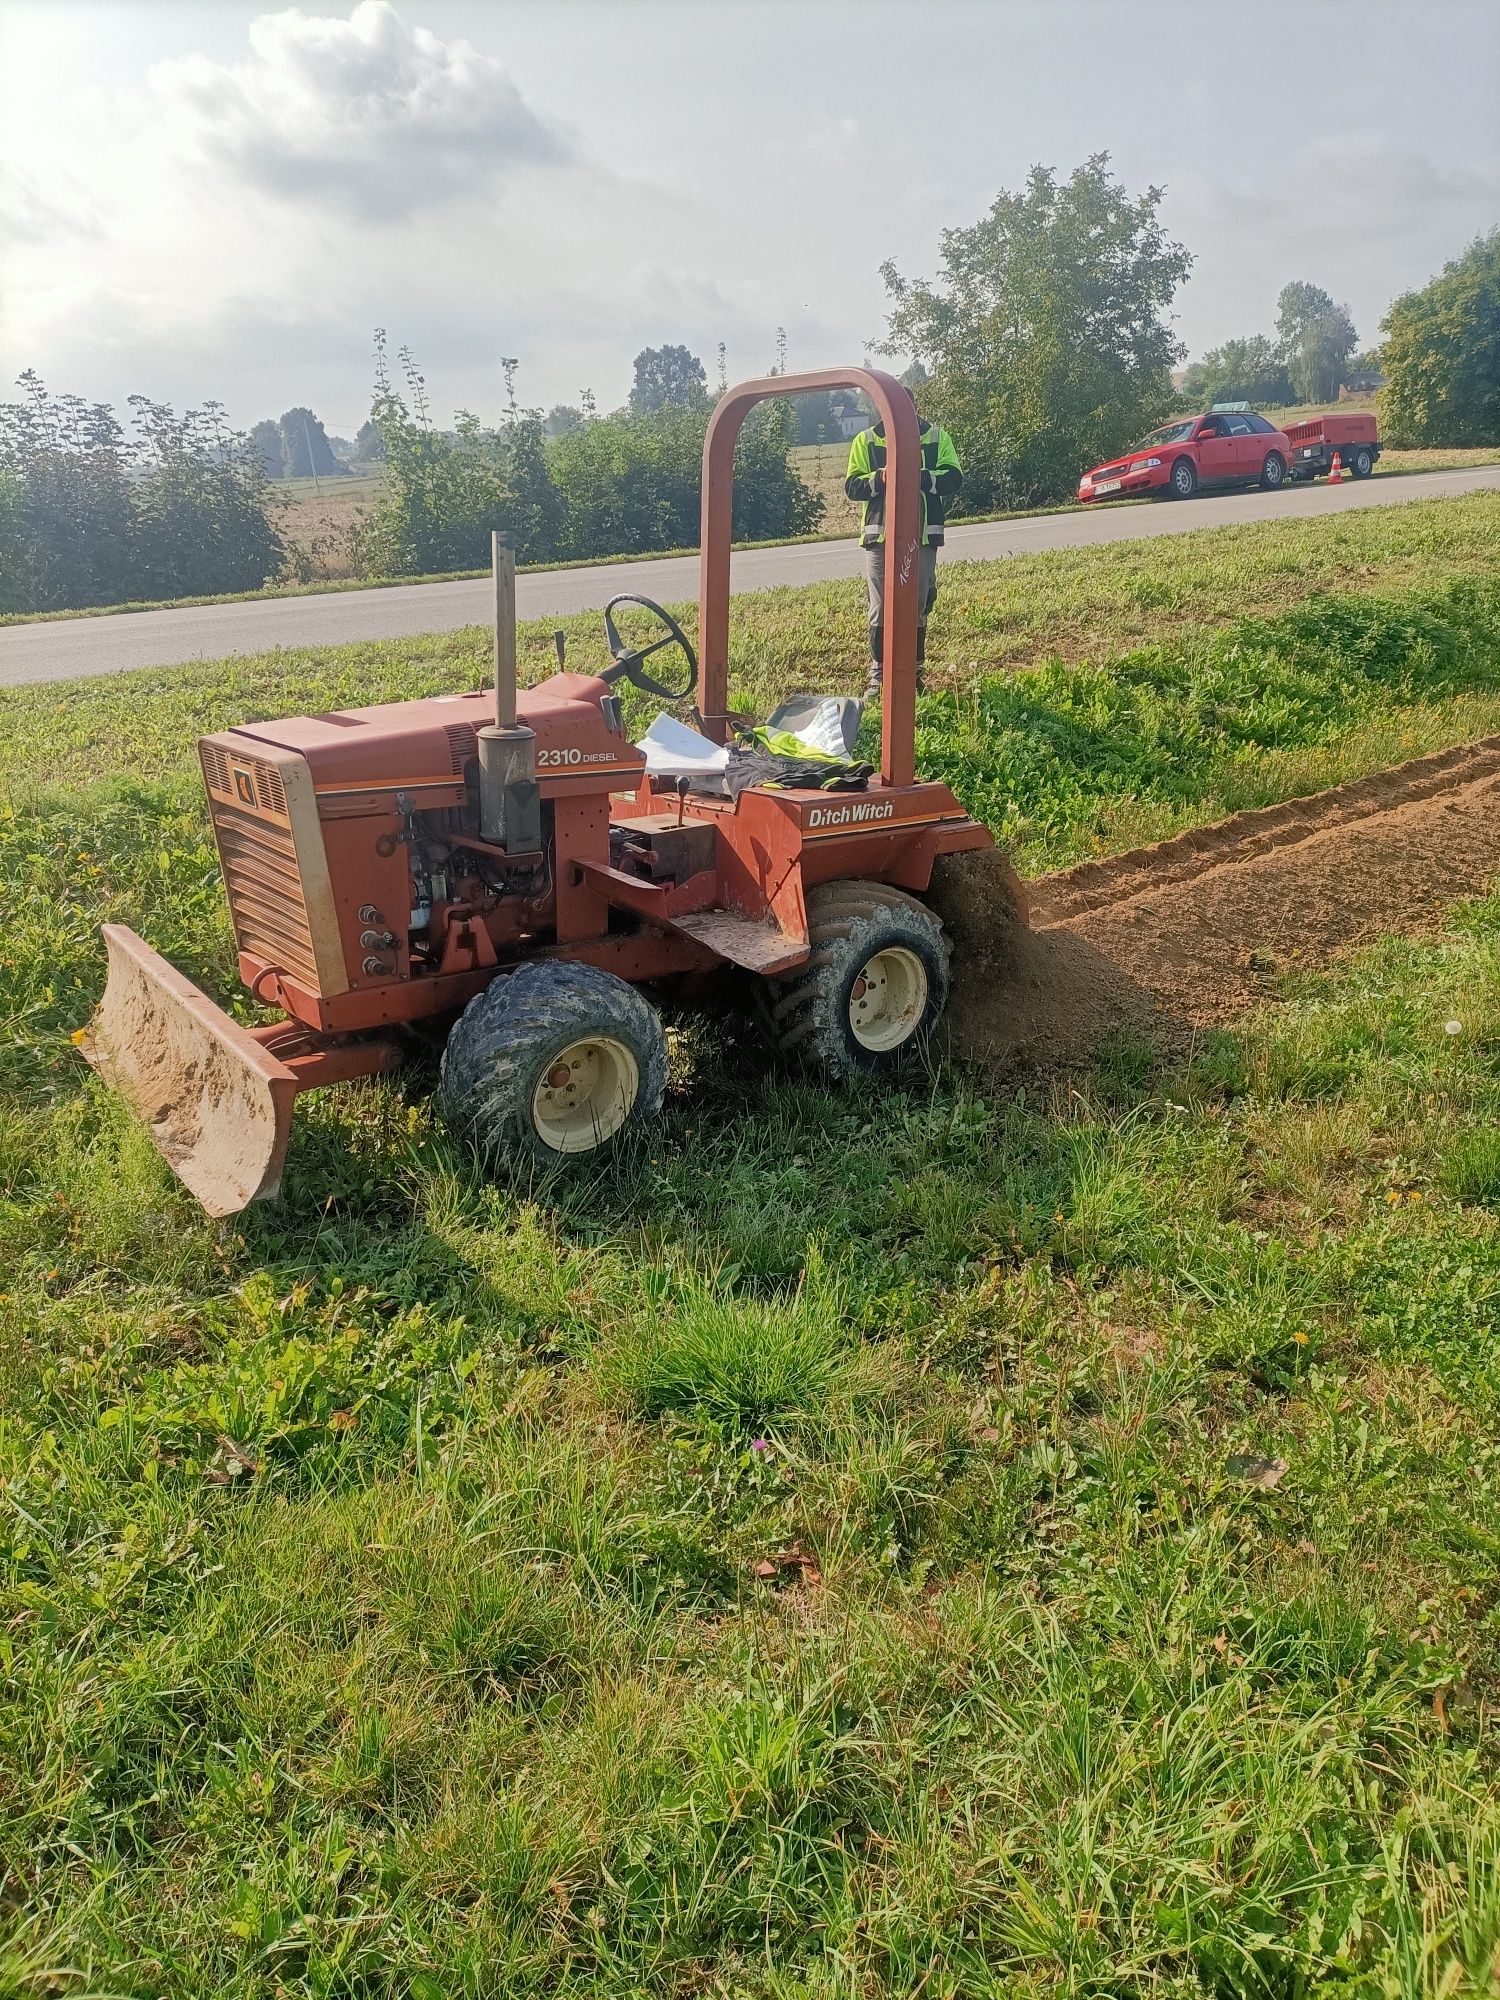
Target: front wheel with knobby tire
[
  {"x": 557, "y": 1059},
  {"x": 874, "y": 986},
  {"x": 1273, "y": 472},
  {"x": 1184, "y": 481}
]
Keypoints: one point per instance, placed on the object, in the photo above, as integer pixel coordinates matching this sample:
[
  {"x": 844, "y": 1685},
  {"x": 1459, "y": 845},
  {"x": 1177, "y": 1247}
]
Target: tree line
[
  {"x": 95, "y": 512},
  {"x": 620, "y": 484},
  {"x": 1044, "y": 344}
]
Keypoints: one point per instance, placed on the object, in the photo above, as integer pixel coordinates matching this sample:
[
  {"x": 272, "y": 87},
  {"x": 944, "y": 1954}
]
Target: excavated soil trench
[{"x": 1194, "y": 930}]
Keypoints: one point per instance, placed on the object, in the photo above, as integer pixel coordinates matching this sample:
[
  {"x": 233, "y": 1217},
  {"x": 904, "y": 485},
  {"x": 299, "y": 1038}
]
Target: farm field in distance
[
  {"x": 945, "y": 1540},
  {"x": 319, "y": 515}
]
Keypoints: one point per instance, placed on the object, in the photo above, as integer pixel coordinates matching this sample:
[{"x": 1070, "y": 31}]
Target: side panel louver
[{"x": 270, "y": 839}]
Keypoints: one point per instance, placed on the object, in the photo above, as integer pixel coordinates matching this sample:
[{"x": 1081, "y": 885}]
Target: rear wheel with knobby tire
[
  {"x": 555, "y": 1060},
  {"x": 873, "y": 988}
]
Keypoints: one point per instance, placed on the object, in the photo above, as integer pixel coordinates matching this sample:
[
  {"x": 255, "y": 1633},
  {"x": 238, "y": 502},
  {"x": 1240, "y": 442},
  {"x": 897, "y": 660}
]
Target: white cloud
[
  {"x": 215, "y": 199},
  {"x": 1362, "y": 215},
  {"x": 43, "y": 212},
  {"x": 833, "y": 141},
  {"x": 368, "y": 115}
]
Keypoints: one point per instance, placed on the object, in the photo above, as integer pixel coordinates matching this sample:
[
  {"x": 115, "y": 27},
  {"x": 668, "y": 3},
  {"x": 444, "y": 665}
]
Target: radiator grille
[
  {"x": 462, "y": 745},
  {"x": 265, "y": 889}
]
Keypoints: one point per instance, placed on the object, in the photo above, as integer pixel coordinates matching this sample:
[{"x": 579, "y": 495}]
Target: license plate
[{"x": 1107, "y": 485}]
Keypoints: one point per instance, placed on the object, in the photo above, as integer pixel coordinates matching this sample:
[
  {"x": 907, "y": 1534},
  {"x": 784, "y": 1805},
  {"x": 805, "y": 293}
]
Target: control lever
[
  {"x": 684, "y": 786},
  {"x": 560, "y": 645}
]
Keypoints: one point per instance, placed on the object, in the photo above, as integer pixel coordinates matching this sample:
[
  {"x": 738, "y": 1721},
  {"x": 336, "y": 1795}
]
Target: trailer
[{"x": 1350, "y": 433}]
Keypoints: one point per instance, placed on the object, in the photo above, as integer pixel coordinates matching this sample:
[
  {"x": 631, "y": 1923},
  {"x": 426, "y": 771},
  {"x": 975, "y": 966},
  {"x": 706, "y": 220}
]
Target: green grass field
[{"x": 914, "y": 1544}]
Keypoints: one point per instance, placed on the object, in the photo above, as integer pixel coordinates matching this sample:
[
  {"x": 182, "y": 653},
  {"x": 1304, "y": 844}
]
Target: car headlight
[{"x": 1145, "y": 464}]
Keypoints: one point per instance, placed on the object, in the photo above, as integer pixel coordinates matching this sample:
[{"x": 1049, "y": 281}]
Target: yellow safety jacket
[{"x": 942, "y": 476}]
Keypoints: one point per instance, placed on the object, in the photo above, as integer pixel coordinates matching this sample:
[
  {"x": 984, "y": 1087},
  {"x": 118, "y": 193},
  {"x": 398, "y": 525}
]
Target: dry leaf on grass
[{"x": 1266, "y": 1473}]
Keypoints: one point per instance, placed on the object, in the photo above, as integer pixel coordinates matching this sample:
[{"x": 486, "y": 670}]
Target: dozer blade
[{"x": 217, "y": 1104}]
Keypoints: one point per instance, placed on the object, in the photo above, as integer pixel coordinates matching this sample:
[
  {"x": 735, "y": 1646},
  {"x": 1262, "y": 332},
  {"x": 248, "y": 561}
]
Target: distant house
[
  {"x": 1363, "y": 384},
  {"x": 847, "y": 412}
]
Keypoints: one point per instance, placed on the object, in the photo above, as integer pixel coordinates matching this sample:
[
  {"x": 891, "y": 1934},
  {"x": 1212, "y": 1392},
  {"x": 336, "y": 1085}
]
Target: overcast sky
[{"x": 207, "y": 199}]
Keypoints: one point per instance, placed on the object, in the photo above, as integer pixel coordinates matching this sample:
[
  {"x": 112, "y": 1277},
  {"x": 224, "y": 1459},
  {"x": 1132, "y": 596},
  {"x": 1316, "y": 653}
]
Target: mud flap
[{"x": 217, "y": 1104}]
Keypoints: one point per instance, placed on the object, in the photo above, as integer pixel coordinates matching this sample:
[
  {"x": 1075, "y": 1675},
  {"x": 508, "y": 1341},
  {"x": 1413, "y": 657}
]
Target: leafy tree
[
  {"x": 70, "y": 528},
  {"x": 266, "y": 437},
  {"x": 770, "y": 497},
  {"x": 203, "y": 523},
  {"x": 1045, "y": 335},
  {"x": 1241, "y": 371},
  {"x": 91, "y": 514},
  {"x": 562, "y": 417},
  {"x": 667, "y": 377},
  {"x": 631, "y": 483},
  {"x": 814, "y": 418},
  {"x": 1442, "y": 355},
  {"x": 445, "y": 492},
  {"x": 305, "y": 449},
  {"x": 536, "y": 505},
  {"x": 369, "y": 445},
  {"x": 1317, "y": 338}
]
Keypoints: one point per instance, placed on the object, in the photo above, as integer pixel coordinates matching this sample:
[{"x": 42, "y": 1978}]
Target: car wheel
[
  {"x": 554, "y": 1060},
  {"x": 1273, "y": 472},
  {"x": 1361, "y": 465},
  {"x": 1184, "y": 479}
]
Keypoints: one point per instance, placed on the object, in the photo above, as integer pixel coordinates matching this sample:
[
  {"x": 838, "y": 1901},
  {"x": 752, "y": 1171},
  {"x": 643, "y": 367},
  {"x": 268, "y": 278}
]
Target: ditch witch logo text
[{"x": 850, "y": 815}]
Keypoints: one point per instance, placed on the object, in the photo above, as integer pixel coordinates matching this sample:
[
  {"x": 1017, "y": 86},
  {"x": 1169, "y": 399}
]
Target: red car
[{"x": 1220, "y": 448}]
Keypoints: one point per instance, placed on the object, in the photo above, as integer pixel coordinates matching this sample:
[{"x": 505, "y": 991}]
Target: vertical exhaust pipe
[
  {"x": 510, "y": 811},
  {"x": 503, "y": 564}
]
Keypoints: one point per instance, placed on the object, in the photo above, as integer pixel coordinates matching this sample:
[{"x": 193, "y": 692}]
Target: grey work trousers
[{"x": 875, "y": 592}]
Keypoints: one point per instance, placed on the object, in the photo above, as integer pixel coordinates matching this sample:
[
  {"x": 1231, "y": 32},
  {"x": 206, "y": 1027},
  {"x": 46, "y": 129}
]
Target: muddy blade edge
[{"x": 217, "y": 1105}]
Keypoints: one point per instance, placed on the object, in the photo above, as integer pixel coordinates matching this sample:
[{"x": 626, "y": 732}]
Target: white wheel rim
[
  {"x": 585, "y": 1094},
  {"x": 888, "y": 999}
]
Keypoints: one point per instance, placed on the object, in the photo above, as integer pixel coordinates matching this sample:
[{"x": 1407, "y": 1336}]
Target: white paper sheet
[{"x": 675, "y": 751}]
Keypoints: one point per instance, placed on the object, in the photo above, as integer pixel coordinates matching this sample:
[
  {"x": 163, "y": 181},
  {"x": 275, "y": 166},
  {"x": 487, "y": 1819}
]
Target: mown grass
[
  {"x": 1435, "y": 458},
  {"x": 911, "y": 1543}
]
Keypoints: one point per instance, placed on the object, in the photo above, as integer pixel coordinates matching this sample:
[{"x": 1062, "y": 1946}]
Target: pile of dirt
[
  {"x": 1022, "y": 996},
  {"x": 1193, "y": 931}
]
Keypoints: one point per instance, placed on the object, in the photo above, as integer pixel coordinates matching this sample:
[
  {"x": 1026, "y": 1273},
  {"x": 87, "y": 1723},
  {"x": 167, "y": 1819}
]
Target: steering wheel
[{"x": 628, "y": 659}]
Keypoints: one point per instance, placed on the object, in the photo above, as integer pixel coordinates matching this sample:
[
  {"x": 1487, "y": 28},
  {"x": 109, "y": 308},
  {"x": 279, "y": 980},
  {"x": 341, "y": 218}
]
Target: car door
[
  {"x": 1215, "y": 451},
  {"x": 1246, "y": 452}
]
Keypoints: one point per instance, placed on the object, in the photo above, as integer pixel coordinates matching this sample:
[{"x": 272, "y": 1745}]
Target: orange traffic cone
[{"x": 1336, "y": 471}]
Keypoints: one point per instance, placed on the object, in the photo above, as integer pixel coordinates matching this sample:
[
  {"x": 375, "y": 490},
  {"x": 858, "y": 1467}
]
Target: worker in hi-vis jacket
[{"x": 942, "y": 476}]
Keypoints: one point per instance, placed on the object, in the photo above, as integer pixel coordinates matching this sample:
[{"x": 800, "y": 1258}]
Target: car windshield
[{"x": 1168, "y": 434}]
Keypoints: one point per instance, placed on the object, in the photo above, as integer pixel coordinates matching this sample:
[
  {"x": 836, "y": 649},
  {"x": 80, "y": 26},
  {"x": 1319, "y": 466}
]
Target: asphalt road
[{"x": 79, "y": 648}]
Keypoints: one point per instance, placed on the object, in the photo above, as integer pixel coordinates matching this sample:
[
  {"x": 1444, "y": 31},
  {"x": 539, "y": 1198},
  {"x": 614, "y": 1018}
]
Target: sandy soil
[{"x": 1193, "y": 931}]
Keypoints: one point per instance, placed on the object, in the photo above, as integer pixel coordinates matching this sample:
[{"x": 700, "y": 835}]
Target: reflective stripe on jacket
[{"x": 939, "y": 462}]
